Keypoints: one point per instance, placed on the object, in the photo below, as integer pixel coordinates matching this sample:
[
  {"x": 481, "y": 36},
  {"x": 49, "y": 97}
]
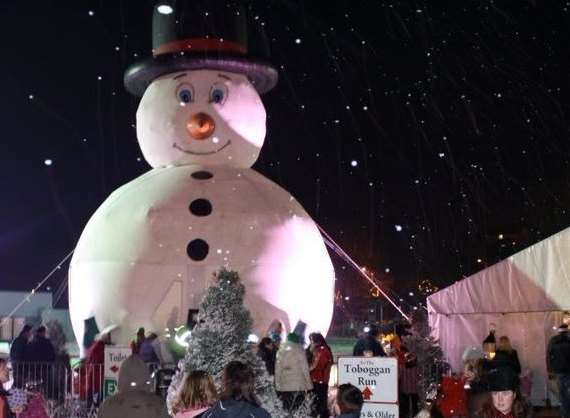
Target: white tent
[{"x": 524, "y": 296}]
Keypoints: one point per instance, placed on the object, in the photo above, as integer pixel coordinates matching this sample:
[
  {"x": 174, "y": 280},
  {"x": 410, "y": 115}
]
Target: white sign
[
  {"x": 114, "y": 357},
  {"x": 376, "y": 377},
  {"x": 379, "y": 410}
]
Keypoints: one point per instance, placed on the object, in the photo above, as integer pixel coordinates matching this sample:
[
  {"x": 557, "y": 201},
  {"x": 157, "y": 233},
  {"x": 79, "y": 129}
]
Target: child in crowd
[
  {"x": 349, "y": 400},
  {"x": 197, "y": 395},
  {"x": 238, "y": 399}
]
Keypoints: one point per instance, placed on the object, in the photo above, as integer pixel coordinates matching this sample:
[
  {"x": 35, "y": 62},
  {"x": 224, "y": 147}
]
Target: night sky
[{"x": 429, "y": 139}]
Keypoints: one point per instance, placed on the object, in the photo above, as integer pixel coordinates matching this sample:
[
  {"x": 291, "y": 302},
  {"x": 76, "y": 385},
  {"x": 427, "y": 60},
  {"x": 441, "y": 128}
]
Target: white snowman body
[{"x": 147, "y": 255}]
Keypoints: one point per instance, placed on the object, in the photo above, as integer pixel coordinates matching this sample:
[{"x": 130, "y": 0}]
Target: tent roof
[{"x": 535, "y": 279}]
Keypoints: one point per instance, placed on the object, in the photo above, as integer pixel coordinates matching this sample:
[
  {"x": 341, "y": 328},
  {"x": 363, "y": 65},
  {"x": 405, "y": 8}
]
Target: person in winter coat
[
  {"x": 91, "y": 389},
  {"x": 349, "y": 400},
  {"x": 369, "y": 345},
  {"x": 320, "y": 370},
  {"x": 18, "y": 348},
  {"x": 4, "y": 378},
  {"x": 137, "y": 342},
  {"x": 134, "y": 399},
  {"x": 266, "y": 350},
  {"x": 292, "y": 377},
  {"x": 197, "y": 395},
  {"x": 558, "y": 365},
  {"x": 40, "y": 350},
  {"x": 147, "y": 351},
  {"x": 506, "y": 355},
  {"x": 474, "y": 378},
  {"x": 506, "y": 400},
  {"x": 238, "y": 398},
  {"x": 18, "y": 355}
]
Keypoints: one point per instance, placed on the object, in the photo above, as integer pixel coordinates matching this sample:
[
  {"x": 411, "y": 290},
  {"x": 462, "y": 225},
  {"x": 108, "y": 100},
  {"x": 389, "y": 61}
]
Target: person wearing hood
[
  {"x": 134, "y": 398},
  {"x": 292, "y": 377},
  {"x": 238, "y": 399}
]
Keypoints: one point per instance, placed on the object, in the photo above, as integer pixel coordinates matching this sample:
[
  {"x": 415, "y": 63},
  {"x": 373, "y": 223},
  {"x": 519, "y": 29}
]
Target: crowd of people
[
  {"x": 237, "y": 399},
  {"x": 32, "y": 356},
  {"x": 298, "y": 371},
  {"x": 490, "y": 384},
  {"x": 30, "y": 347}
]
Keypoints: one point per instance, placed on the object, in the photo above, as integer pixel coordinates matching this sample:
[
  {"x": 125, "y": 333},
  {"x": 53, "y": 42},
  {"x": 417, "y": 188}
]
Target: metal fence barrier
[{"x": 70, "y": 392}]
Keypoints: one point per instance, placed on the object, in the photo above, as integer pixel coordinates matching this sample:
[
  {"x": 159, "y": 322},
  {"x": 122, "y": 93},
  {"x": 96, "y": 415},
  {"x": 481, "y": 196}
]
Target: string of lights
[
  {"x": 35, "y": 289},
  {"x": 338, "y": 250}
]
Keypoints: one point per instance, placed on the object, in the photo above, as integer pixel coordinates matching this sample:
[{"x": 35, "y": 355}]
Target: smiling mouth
[{"x": 178, "y": 147}]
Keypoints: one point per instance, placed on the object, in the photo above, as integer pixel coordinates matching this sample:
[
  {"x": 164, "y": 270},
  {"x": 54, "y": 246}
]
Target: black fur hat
[{"x": 503, "y": 378}]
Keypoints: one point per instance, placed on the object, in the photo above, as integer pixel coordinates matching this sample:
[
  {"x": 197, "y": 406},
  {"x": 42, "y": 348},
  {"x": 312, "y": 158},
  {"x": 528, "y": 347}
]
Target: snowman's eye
[
  {"x": 185, "y": 96},
  {"x": 218, "y": 94},
  {"x": 185, "y": 93}
]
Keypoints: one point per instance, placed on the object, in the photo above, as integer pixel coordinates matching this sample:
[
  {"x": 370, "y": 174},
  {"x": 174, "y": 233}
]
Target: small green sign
[{"x": 110, "y": 387}]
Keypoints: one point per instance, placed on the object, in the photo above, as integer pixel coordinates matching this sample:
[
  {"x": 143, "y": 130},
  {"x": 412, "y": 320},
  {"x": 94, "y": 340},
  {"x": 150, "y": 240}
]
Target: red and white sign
[
  {"x": 114, "y": 357},
  {"x": 376, "y": 377}
]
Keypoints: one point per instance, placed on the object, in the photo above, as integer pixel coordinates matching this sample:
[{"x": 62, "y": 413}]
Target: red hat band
[{"x": 200, "y": 45}]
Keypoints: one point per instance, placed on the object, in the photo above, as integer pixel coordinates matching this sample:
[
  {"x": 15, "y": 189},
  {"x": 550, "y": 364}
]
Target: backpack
[{"x": 559, "y": 353}]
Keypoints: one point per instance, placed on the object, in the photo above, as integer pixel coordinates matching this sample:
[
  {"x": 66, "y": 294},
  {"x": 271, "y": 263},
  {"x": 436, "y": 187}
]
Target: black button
[
  {"x": 202, "y": 175},
  {"x": 201, "y": 207},
  {"x": 197, "y": 249}
]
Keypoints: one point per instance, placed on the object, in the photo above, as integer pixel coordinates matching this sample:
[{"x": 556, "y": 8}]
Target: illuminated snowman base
[{"x": 148, "y": 254}]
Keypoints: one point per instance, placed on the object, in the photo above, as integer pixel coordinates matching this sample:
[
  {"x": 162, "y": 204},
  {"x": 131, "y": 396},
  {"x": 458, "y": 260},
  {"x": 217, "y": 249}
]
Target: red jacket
[
  {"x": 94, "y": 368},
  {"x": 321, "y": 366}
]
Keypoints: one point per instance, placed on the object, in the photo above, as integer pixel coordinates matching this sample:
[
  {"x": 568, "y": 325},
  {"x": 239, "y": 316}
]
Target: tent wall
[
  {"x": 535, "y": 279},
  {"x": 529, "y": 334}
]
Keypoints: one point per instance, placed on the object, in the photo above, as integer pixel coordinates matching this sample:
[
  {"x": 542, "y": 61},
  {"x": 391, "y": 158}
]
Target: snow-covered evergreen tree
[
  {"x": 221, "y": 335},
  {"x": 430, "y": 360}
]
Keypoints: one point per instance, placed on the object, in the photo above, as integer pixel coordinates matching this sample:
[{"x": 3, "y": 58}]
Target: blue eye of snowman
[
  {"x": 218, "y": 94},
  {"x": 185, "y": 96},
  {"x": 185, "y": 93}
]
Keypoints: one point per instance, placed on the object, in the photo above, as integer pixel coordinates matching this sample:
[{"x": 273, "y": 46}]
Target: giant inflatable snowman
[{"x": 147, "y": 256}]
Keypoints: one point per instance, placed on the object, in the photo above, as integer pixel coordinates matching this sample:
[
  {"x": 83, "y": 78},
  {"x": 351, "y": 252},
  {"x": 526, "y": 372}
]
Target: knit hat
[{"x": 503, "y": 378}]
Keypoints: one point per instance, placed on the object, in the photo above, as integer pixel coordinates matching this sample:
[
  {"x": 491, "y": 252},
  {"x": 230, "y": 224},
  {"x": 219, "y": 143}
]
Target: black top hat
[
  {"x": 203, "y": 34},
  {"x": 503, "y": 378}
]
